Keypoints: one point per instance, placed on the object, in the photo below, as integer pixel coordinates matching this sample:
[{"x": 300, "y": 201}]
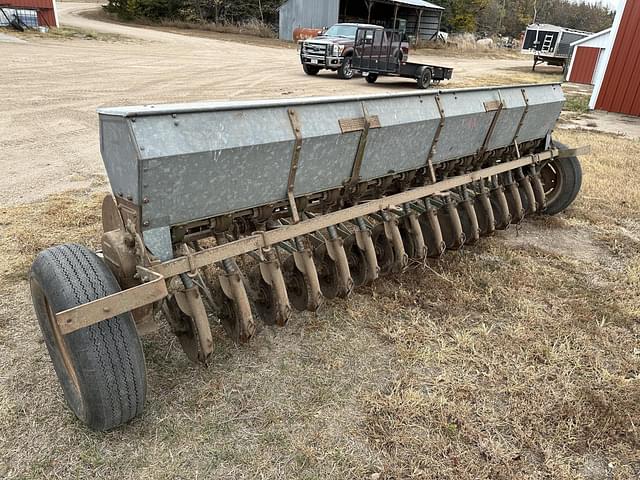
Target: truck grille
[{"x": 315, "y": 49}]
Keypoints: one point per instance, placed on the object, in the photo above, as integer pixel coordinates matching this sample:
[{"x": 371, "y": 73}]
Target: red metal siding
[
  {"x": 47, "y": 18},
  {"x": 584, "y": 64},
  {"x": 46, "y": 13},
  {"x": 620, "y": 91}
]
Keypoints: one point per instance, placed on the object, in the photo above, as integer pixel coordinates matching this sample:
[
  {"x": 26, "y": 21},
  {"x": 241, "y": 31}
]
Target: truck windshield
[{"x": 347, "y": 31}]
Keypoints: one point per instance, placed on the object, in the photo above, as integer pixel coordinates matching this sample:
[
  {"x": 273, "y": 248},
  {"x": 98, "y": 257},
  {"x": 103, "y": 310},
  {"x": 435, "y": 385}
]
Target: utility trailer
[
  {"x": 237, "y": 212},
  {"x": 550, "y": 44},
  {"x": 385, "y": 52}
]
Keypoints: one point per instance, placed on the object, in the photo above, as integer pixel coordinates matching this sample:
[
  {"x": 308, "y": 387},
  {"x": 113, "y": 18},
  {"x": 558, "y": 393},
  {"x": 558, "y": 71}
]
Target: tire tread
[{"x": 114, "y": 381}]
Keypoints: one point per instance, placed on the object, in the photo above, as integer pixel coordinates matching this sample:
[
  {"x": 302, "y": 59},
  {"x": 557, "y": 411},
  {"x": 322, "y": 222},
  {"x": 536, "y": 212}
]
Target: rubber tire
[
  {"x": 310, "y": 69},
  {"x": 341, "y": 71},
  {"x": 571, "y": 170},
  {"x": 107, "y": 356},
  {"x": 424, "y": 80},
  {"x": 371, "y": 78}
]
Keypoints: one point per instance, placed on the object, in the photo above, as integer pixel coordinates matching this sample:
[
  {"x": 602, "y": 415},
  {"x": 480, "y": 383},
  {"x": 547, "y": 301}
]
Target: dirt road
[{"x": 49, "y": 130}]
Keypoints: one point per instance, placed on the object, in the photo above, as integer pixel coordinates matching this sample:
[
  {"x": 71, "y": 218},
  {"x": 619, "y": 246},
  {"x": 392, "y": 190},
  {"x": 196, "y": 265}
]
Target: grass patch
[
  {"x": 577, "y": 103},
  {"x": 251, "y": 32},
  {"x": 71, "y": 33},
  {"x": 252, "y": 27},
  {"x": 27, "y": 229}
]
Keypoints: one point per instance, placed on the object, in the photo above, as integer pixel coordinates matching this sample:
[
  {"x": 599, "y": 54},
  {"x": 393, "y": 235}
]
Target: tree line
[
  {"x": 510, "y": 17},
  {"x": 216, "y": 11},
  {"x": 488, "y": 17}
]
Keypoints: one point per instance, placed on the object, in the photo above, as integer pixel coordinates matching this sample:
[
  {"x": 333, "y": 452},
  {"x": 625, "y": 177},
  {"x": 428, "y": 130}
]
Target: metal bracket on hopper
[
  {"x": 364, "y": 124},
  {"x": 494, "y": 106},
  {"x": 521, "y": 122},
  {"x": 295, "y": 124},
  {"x": 436, "y": 138}
]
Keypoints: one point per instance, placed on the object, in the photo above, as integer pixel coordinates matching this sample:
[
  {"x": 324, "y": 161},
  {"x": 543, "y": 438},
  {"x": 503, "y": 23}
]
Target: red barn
[
  {"x": 47, "y": 13},
  {"x": 617, "y": 87}
]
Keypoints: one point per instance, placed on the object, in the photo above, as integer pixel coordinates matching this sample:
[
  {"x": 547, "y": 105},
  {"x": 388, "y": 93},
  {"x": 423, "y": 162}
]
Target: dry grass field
[{"x": 518, "y": 358}]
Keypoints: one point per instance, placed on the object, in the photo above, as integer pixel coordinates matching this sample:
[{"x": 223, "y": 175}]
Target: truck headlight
[{"x": 337, "y": 50}]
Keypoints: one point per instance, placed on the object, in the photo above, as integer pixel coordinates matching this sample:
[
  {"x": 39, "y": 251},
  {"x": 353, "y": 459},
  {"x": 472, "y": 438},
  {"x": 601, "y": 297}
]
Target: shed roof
[
  {"x": 592, "y": 37},
  {"x": 556, "y": 28},
  {"x": 416, "y": 3},
  {"x": 406, "y": 3}
]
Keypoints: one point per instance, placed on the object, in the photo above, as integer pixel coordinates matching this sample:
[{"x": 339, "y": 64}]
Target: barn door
[{"x": 584, "y": 65}]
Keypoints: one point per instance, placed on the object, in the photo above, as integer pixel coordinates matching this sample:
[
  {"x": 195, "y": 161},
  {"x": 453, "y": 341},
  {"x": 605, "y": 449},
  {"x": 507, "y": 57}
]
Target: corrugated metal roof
[
  {"x": 417, "y": 3},
  {"x": 412, "y": 3}
]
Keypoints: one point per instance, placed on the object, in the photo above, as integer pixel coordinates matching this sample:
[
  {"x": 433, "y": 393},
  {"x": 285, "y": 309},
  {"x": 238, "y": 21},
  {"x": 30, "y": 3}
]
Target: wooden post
[
  {"x": 418, "y": 26},
  {"x": 439, "y": 27}
]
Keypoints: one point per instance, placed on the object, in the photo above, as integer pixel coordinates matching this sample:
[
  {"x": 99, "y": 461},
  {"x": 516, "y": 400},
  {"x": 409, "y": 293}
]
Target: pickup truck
[{"x": 332, "y": 50}]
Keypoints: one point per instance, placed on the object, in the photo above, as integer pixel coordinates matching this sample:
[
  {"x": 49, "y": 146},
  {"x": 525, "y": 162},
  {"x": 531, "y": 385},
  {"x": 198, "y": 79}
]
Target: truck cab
[{"x": 332, "y": 50}]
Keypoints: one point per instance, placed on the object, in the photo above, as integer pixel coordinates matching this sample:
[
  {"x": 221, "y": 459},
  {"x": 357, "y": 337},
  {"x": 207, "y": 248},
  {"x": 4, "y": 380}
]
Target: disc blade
[{"x": 384, "y": 249}]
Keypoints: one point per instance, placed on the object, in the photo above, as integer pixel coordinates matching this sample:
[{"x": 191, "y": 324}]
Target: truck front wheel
[
  {"x": 345, "y": 71},
  {"x": 310, "y": 69}
]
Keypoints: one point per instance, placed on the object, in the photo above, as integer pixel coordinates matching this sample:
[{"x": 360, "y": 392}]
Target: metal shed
[
  {"x": 617, "y": 85},
  {"x": 588, "y": 57},
  {"x": 419, "y": 18}
]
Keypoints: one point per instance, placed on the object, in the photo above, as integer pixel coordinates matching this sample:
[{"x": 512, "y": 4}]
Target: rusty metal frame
[
  {"x": 295, "y": 159},
  {"x": 495, "y": 106},
  {"x": 242, "y": 246},
  {"x": 153, "y": 290},
  {"x": 573, "y": 152},
  {"x": 154, "y": 278},
  {"x": 521, "y": 122},
  {"x": 436, "y": 138},
  {"x": 368, "y": 123}
]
